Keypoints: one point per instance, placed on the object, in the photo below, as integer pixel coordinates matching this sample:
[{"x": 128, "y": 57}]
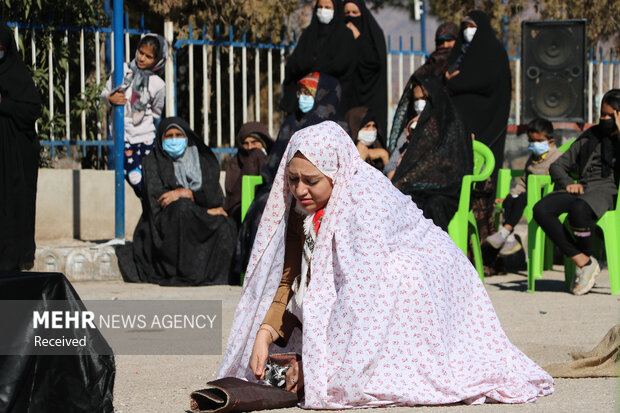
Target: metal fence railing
[
  {"x": 87, "y": 43},
  {"x": 232, "y": 108},
  {"x": 218, "y": 102}
]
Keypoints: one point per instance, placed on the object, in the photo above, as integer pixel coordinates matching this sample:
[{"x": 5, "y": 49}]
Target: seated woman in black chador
[
  {"x": 365, "y": 132},
  {"x": 253, "y": 144},
  {"x": 184, "y": 236},
  {"x": 438, "y": 155}
]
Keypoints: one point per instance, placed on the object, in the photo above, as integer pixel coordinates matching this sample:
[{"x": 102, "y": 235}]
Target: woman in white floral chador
[{"x": 393, "y": 312}]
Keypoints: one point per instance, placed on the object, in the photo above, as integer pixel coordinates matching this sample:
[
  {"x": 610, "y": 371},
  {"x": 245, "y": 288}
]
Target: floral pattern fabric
[{"x": 394, "y": 314}]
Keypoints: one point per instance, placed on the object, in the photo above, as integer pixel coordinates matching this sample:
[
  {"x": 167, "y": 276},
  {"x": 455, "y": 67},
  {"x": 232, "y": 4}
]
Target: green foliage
[
  {"x": 260, "y": 18},
  {"x": 76, "y": 13},
  {"x": 602, "y": 15}
]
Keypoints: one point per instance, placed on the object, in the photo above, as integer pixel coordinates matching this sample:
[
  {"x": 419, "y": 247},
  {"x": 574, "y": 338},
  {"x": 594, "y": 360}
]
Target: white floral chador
[{"x": 394, "y": 313}]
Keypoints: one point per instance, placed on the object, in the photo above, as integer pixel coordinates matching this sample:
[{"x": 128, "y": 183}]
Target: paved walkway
[{"x": 546, "y": 326}]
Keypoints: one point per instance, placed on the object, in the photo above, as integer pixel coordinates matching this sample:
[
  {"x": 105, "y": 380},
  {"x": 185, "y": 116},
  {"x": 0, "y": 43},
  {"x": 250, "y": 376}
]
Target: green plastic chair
[
  {"x": 540, "y": 251},
  {"x": 464, "y": 219},
  {"x": 540, "y": 248},
  {"x": 609, "y": 224},
  {"x": 248, "y": 185}
]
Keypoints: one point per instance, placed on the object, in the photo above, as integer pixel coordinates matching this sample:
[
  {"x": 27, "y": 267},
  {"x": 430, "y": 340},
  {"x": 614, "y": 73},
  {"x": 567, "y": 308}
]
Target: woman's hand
[
  {"x": 117, "y": 98},
  {"x": 576, "y": 189},
  {"x": 171, "y": 196},
  {"x": 408, "y": 126},
  {"x": 260, "y": 351},
  {"x": 453, "y": 74},
  {"x": 363, "y": 150},
  {"x": 379, "y": 153},
  {"x": 217, "y": 211},
  {"x": 354, "y": 30},
  {"x": 498, "y": 201},
  {"x": 295, "y": 378}
]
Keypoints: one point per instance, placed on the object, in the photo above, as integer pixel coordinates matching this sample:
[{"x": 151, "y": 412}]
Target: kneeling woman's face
[{"x": 310, "y": 187}]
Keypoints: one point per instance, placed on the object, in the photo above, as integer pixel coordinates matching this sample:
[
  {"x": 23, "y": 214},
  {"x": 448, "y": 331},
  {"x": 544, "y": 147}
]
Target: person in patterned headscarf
[
  {"x": 393, "y": 313},
  {"x": 142, "y": 93}
]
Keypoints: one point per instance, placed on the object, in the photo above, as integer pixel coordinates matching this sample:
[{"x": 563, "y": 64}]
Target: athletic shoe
[
  {"x": 585, "y": 277},
  {"x": 496, "y": 240},
  {"x": 510, "y": 247}
]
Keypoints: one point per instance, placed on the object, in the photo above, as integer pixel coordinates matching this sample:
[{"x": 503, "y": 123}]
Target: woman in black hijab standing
[
  {"x": 370, "y": 78},
  {"x": 478, "y": 80},
  {"x": 325, "y": 46},
  {"x": 20, "y": 106}
]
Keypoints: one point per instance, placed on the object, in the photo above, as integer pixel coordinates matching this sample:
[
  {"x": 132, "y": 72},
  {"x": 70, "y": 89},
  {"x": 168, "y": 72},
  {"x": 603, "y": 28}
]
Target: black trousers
[
  {"x": 580, "y": 216},
  {"x": 513, "y": 208}
]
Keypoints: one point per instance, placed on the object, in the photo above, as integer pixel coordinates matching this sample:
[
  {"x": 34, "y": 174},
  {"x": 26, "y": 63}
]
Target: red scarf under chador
[{"x": 317, "y": 218}]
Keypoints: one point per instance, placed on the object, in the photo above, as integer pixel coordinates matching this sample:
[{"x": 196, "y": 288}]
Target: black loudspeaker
[{"x": 554, "y": 70}]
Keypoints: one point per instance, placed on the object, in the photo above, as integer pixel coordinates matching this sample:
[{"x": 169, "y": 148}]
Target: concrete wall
[{"x": 79, "y": 204}]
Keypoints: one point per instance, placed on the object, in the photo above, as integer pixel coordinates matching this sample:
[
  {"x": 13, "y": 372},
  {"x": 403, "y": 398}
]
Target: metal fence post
[
  {"x": 590, "y": 91},
  {"x": 518, "y": 87},
  {"x": 170, "y": 87},
  {"x": 389, "y": 84},
  {"x": 190, "y": 59},
  {"x": 119, "y": 124}
]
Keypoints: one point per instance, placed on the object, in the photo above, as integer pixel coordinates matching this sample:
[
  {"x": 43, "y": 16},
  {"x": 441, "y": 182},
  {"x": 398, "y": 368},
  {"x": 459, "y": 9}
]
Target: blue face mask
[
  {"x": 538, "y": 148},
  {"x": 175, "y": 146},
  {"x": 306, "y": 103}
]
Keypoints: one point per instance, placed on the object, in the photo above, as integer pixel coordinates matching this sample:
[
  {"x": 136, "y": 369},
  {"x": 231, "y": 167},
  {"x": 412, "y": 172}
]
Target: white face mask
[
  {"x": 325, "y": 15},
  {"x": 1, "y": 54},
  {"x": 468, "y": 34},
  {"x": 367, "y": 137},
  {"x": 419, "y": 105}
]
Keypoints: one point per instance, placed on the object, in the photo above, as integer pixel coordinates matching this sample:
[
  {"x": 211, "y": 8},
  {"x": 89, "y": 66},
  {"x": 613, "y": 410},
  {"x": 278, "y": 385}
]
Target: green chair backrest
[
  {"x": 567, "y": 145},
  {"x": 248, "y": 184},
  {"x": 484, "y": 161}
]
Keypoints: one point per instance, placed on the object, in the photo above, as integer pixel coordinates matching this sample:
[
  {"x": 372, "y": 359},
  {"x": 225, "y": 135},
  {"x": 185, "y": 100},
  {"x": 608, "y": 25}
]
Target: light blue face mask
[
  {"x": 538, "y": 148},
  {"x": 175, "y": 146},
  {"x": 306, "y": 103}
]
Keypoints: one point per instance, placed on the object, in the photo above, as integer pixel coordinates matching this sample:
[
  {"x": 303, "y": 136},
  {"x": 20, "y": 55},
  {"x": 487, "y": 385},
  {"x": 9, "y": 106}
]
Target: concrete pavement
[{"x": 546, "y": 325}]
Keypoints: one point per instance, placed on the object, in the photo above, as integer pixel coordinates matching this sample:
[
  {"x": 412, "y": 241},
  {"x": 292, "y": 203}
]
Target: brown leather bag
[{"x": 231, "y": 394}]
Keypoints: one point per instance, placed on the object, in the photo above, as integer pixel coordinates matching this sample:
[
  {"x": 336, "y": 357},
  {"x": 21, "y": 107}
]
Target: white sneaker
[
  {"x": 585, "y": 277},
  {"x": 496, "y": 240},
  {"x": 510, "y": 247}
]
